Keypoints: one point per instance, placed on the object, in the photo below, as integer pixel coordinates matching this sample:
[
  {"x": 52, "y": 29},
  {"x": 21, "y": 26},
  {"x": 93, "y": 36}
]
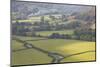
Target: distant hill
[
  {"x": 61, "y": 14},
  {"x": 26, "y": 9}
]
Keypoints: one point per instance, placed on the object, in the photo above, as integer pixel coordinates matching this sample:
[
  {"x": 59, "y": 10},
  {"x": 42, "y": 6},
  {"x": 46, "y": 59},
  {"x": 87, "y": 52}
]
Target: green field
[
  {"x": 61, "y": 46},
  {"x": 38, "y": 19},
  {"x": 47, "y": 33}
]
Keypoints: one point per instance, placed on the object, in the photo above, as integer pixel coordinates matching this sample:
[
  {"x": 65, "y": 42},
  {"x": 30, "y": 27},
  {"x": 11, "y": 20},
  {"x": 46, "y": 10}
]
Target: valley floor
[{"x": 72, "y": 50}]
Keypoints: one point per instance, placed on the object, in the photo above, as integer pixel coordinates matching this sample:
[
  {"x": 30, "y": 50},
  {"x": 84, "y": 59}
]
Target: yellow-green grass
[
  {"x": 89, "y": 56},
  {"x": 64, "y": 46},
  {"x": 31, "y": 19},
  {"x": 16, "y": 45},
  {"x": 27, "y": 38},
  {"x": 68, "y": 47},
  {"x": 61, "y": 46},
  {"x": 29, "y": 56},
  {"x": 25, "y": 20},
  {"x": 47, "y": 33},
  {"x": 38, "y": 19},
  {"x": 46, "y": 17},
  {"x": 77, "y": 47}
]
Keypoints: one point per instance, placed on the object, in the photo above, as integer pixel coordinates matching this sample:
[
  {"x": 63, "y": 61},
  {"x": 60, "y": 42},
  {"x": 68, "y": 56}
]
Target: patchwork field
[
  {"x": 51, "y": 33},
  {"x": 73, "y": 50}
]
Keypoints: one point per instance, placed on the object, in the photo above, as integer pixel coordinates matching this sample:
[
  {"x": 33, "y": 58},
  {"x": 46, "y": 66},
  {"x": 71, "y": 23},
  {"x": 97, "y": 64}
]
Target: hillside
[{"x": 26, "y": 9}]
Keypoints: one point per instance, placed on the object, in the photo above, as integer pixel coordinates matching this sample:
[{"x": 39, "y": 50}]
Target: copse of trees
[
  {"x": 19, "y": 28},
  {"x": 85, "y": 34},
  {"x": 52, "y": 17},
  {"x": 73, "y": 24},
  {"x": 64, "y": 18},
  {"x": 59, "y": 36}
]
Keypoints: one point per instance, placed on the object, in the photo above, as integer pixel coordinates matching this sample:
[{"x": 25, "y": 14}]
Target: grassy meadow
[
  {"x": 61, "y": 46},
  {"x": 48, "y": 33}
]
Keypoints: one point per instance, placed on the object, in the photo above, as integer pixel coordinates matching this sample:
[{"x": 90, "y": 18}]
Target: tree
[
  {"x": 54, "y": 35},
  {"x": 42, "y": 19},
  {"x": 85, "y": 34}
]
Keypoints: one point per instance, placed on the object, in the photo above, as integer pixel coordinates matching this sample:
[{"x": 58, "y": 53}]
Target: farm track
[{"x": 55, "y": 56}]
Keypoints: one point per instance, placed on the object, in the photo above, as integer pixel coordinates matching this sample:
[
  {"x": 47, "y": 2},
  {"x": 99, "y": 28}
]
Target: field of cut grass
[
  {"x": 16, "y": 45},
  {"x": 28, "y": 38},
  {"x": 61, "y": 46},
  {"x": 47, "y": 33},
  {"x": 38, "y": 19},
  {"x": 64, "y": 46},
  {"x": 29, "y": 56},
  {"x": 89, "y": 56}
]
